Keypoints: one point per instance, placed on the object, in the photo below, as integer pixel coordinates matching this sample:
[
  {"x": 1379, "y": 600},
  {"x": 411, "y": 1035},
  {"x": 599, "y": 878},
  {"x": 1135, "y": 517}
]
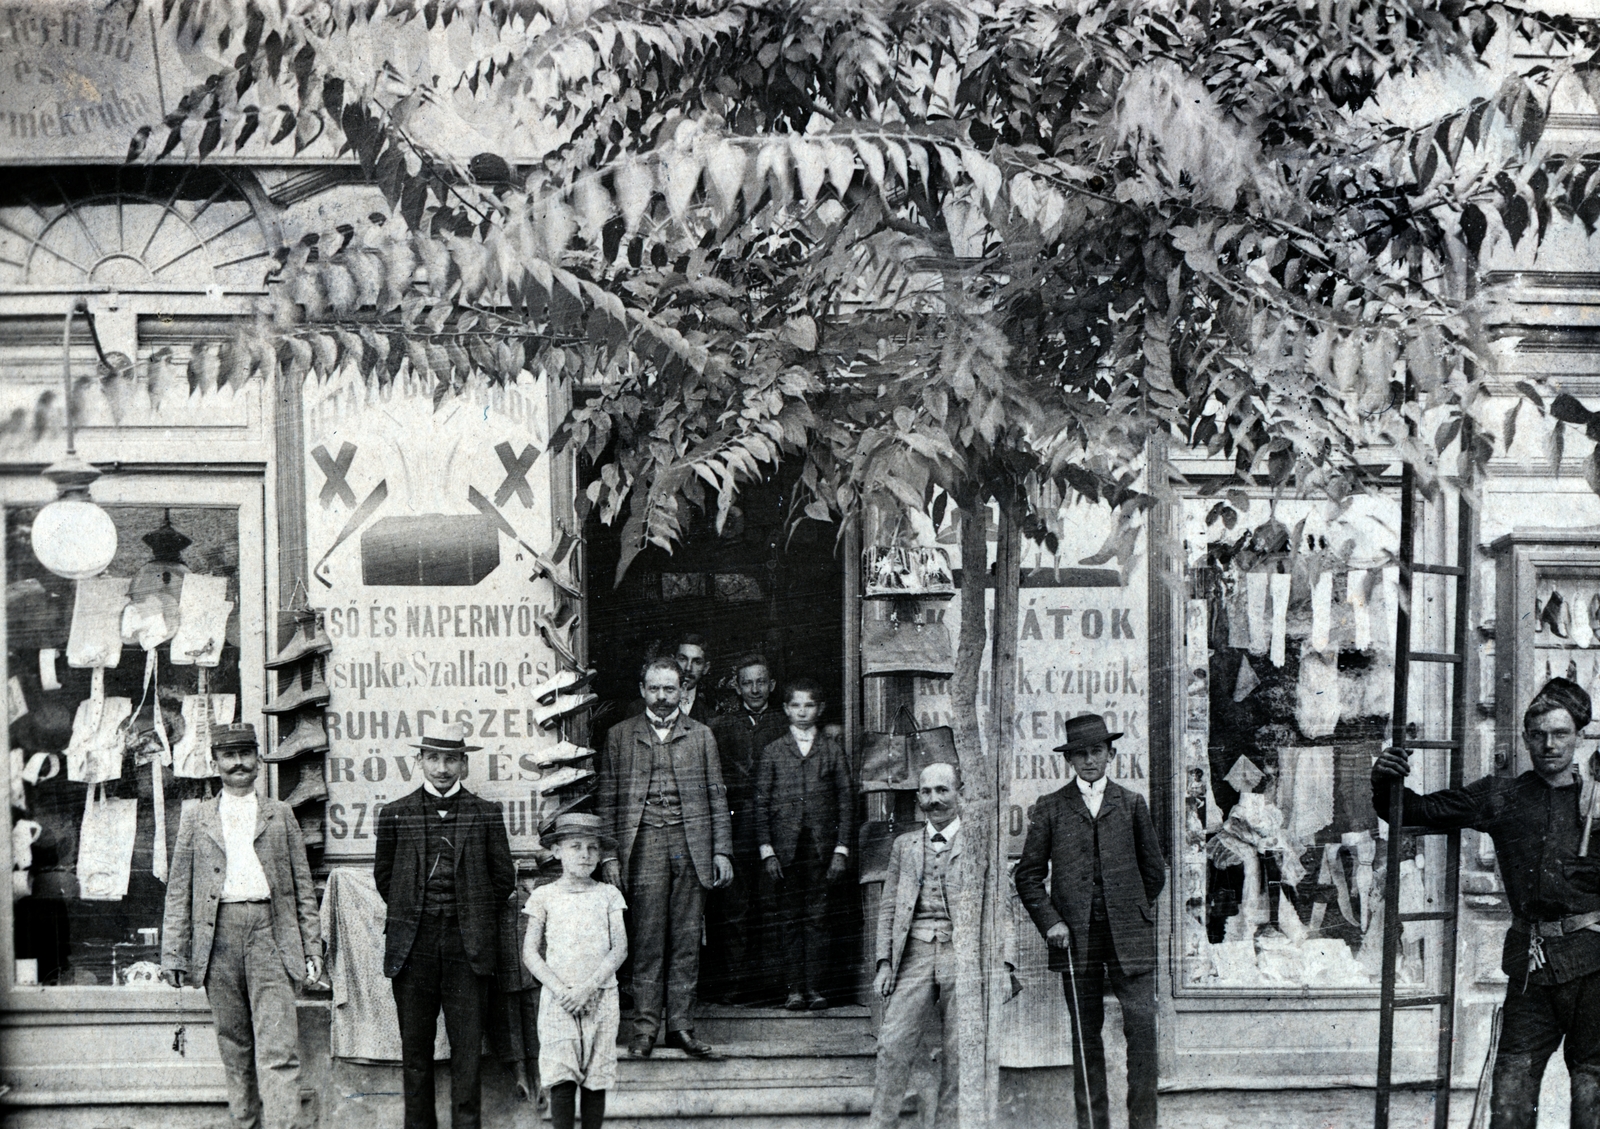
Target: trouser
[
  {"x": 252, "y": 1006},
  {"x": 923, "y": 1000},
  {"x": 1536, "y": 1020},
  {"x": 436, "y": 975},
  {"x": 668, "y": 904},
  {"x": 800, "y": 906},
  {"x": 1085, "y": 991},
  {"x": 733, "y": 924}
]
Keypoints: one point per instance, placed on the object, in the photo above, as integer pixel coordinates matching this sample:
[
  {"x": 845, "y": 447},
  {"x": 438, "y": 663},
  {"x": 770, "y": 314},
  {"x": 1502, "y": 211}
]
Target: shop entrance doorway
[
  {"x": 755, "y": 587},
  {"x": 758, "y": 586}
]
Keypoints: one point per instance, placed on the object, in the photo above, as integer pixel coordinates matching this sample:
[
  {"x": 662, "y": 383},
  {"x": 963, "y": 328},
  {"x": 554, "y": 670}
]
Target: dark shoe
[
  {"x": 795, "y": 1002},
  {"x": 640, "y": 1046},
  {"x": 689, "y": 1045},
  {"x": 816, "y": 1002}
]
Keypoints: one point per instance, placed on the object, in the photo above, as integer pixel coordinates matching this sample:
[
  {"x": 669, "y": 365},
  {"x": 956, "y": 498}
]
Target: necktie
[{"x": 937, "y": 837}]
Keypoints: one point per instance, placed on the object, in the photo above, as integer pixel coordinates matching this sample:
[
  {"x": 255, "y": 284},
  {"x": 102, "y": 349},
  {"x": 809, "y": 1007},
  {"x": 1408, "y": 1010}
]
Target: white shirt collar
[
  {"x": 803, "y": 737},
  {"x": 228, "y": 799},
  {"x": 432, "y": 791},
  {"x": 1098, "y": 788},
  {"x": 951, "y": 830}
]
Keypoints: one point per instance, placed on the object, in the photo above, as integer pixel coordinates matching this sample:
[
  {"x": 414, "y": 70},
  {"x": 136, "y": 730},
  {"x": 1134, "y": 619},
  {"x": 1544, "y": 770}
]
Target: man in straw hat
[
  {"x": 241, "y": 921},
  {"x": 443, "y": 864},
  {"x": 1098, "y": 915},
  {"x": 1552, "y": 950}
]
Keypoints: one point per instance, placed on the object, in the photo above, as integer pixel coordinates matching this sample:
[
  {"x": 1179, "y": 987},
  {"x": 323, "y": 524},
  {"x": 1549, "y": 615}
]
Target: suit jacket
[
  {"x": 624, "y": 781},
  {"x": 194, "y": 888},
  {"x": 1061, "y": 838},
  {"x": 898, "y": 904},
  {"x": 789, "y": 785},
  {"x": 741, "y": 736},
  {"x": 485, "y": 875}
]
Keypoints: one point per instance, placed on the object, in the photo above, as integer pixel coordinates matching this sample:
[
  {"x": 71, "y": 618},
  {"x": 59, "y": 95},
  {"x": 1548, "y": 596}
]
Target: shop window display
[
  {"x": 1287, "y": 698},
  {"x": 113, "y": 683}
]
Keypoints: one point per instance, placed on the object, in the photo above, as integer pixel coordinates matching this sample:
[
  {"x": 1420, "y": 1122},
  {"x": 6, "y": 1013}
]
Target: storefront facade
[{"x": 1249, "y": 665}]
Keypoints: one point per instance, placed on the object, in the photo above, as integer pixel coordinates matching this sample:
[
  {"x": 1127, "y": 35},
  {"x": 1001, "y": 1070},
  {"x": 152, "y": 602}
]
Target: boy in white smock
[{"x": 574, "y": 945}]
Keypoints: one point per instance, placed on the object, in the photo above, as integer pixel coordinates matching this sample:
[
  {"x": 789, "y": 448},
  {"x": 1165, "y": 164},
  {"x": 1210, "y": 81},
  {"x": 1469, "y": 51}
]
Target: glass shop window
[
  {"x": 113, "y": 684},
  {"x": 1287, "y": 693}
]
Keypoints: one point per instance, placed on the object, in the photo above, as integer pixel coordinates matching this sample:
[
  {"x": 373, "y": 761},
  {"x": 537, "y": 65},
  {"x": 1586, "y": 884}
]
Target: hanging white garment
[
  {"x": 1311, "y": 805},
  {"x": 1280, "y": 582},
  {"x": 204, "y": 610},
  {"x": 1256, "y": 588},
  {"x": 96, "y": 635},
  {"x": 1321, "y": 612},
  {"x": 1317, "y": 693},
  {"x": 105, "y": 846},
  {"x": 191, "y": 754},
  {"x": 94, "y": 751}
]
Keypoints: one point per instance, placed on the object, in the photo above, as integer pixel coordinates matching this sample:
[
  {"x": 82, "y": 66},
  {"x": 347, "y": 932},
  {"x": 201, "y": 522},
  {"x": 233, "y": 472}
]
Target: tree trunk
[{"x": 978, "y": 939}]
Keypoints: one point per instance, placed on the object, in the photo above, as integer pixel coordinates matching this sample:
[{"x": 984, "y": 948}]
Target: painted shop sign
[
  {"x": 424, "y": 534},
  {"x": 1082, "y": 647}
]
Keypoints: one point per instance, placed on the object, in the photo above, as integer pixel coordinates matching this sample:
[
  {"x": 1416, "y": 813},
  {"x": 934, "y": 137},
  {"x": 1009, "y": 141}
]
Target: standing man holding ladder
[{"x": 1538, "y": 822}]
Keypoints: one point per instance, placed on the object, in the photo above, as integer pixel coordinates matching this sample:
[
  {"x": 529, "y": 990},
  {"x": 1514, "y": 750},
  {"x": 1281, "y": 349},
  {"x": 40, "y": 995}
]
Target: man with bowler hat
[
  {"x": 1551, "y": 956},
  {"x": 241, "y": 921},
  {"x": 443, "y": 864},
  {"x": 1098, "y": 914}
]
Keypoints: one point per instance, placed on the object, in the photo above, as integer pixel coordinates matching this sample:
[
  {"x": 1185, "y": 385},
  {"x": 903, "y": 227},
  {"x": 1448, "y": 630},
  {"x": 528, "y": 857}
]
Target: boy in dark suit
[
  {"x": 802, "y": 824},
  {"x": 1097, "y": 843},
  {"x": 443, "y": 865}
]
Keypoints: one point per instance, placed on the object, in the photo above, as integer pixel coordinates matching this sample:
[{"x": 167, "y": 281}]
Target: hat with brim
[
  {"x": 570, "y": 825},
  {"x": 1084, "y": 732},
  {"x": 451, "y": 739}
]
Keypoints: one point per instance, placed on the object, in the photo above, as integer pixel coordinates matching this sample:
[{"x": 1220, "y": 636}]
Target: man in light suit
[
  {"x": 241, "y": 921},
  {"x": 916, "y": 951},
  {"x": 442, "y": 862},
  {"x": 661, "y": 798},
  {"x": 1098, "y": 843}
]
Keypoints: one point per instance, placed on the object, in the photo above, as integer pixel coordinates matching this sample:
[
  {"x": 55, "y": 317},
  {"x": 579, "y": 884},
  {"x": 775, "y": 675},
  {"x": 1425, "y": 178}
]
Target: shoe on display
[
  {"x": 309, "y": 735},
  {"x": 1557, "y": 616},
  {"x": 561, "y": 777},
  {"x": 556, "y": 640},
  {"x": 308, "y": 639},
  {"x": 310, "y": 786},
  {"x": 567, "y": 681},
  {"x": 548, "y": 716},
  {"x": 561, "y": 754},
  {"x": 311, "y": 830},
  {"x": 300, "y": 694}
]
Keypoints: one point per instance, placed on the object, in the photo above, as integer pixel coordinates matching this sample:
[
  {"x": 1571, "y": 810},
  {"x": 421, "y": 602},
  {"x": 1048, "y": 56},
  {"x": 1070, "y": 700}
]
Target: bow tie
[{"x": 938, "y": 837}]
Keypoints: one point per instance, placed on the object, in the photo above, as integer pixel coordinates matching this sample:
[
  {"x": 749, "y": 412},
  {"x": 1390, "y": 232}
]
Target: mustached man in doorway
[{"x": 662, "y": 802}]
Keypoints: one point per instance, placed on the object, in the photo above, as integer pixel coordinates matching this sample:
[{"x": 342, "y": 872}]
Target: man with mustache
[
  {"x": 661, "y": 798},
  {"x": 241, "y": 921},
  {"x": 1552, "y": 950},
  {"x": 916, "y": 950},
  {"x": 1097, "y": 843}
]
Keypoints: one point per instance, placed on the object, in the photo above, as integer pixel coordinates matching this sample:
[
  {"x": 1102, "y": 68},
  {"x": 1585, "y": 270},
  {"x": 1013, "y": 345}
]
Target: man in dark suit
[
  {"x": 242, "y": 922},
  {"x": 661, "y": 798},
  {"x": 803, "y": 825},
  {"x": 1098, "y": 843},
  {"x": 734, "y": 914},
  {"x": 443, "y": 865}
]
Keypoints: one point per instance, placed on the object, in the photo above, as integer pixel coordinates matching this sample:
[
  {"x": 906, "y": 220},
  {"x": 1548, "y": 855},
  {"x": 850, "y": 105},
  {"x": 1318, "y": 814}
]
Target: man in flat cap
[
  {"x": 1097, "y": 843},
  {"x": 443, "y": 864},
  {"x": 241, "y": 921},
  {"x": 1552, "y": 950}
]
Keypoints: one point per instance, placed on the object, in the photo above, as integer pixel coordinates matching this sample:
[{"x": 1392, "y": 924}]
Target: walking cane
[{"x": 1077, "y": 1032}]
